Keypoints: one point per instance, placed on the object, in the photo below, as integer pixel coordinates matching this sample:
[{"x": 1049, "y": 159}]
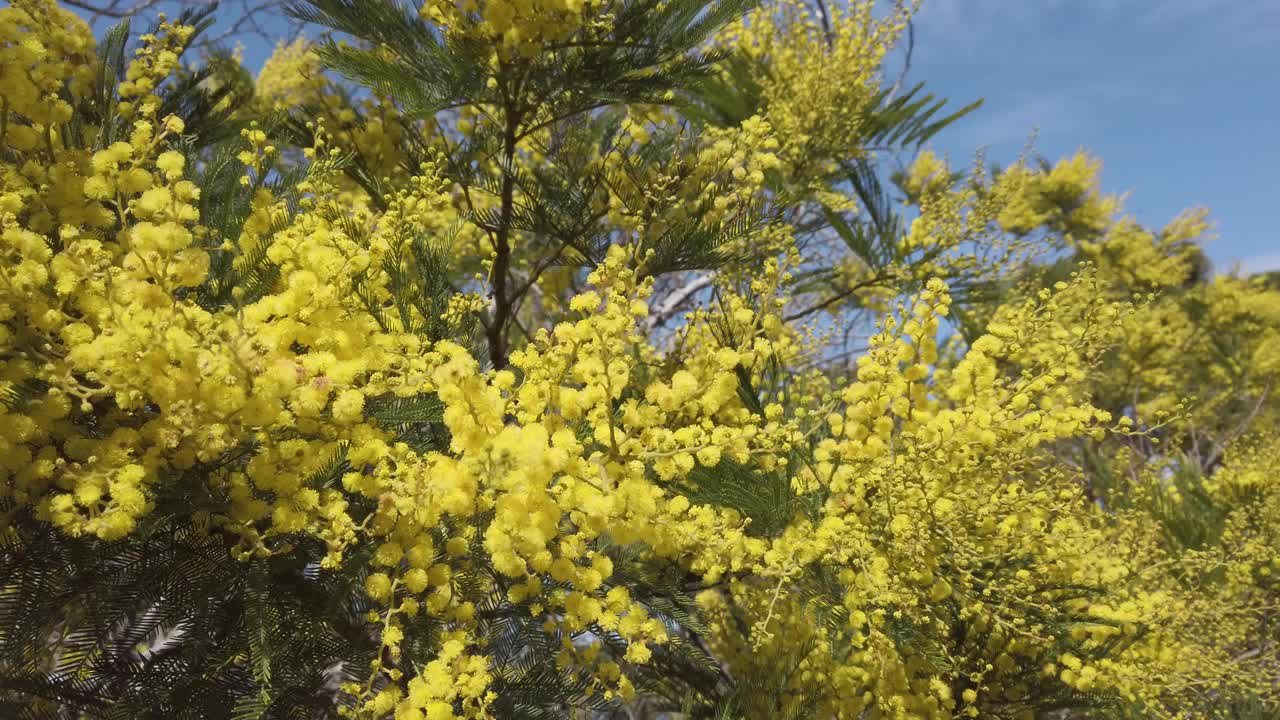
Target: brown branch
[
  {"x": 842, "y": 295},
  {"x": 1220, "y": 446},
  {"x": 674, "y": 301},
  {"x": 103, "y": 11},
  {"x": 501, "y": 236}
]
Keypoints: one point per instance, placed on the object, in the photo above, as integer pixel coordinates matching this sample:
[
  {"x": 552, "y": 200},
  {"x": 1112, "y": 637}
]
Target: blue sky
[{"x": 1180, "y": 98}]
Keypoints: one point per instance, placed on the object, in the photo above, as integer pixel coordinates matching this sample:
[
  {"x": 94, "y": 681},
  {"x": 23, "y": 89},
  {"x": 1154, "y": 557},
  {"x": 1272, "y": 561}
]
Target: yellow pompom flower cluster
[
  {"x": 291, "y": 77},
  {"x": 153, "y": 63},
  {"x": 41, "y": 47},
  {"x": 515, "y": 27},
  {"x": 720, "y": 181},
  {"x": 822, "y": 69}
]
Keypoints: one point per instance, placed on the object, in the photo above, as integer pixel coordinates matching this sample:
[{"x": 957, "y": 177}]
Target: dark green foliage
[
  {"x": 559, "y": 202},
  {"x": 167, "y": 624},
  {"x": 1192, "y": 519},
  {"x": 908, "y": 120},
  {"x": 729, "y": 98},
  {"x": 225, "y": 206},
  {"x": 428, "y": 75},
  {"x": 416, "y": 420},
  {"x": 206, "y": 98},
  {"x": 112, "y": 62},
  {"x": 765, "y": 498},
  {"x": 891, "y": 123},
  {"x": 652, "y": 48},
  {"x": 1251, "y": 708},
  {"x": 1270, "y": 278}
]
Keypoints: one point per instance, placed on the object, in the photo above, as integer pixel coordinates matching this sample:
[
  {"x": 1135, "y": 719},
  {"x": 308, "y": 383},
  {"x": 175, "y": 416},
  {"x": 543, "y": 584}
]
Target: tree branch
[
  {"x": 675, "y": 300},
  {"x": 502, "y": 300}
]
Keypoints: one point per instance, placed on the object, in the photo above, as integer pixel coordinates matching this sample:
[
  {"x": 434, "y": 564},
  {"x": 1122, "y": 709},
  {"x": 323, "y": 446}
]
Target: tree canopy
[{"x": 602, "y": 358}]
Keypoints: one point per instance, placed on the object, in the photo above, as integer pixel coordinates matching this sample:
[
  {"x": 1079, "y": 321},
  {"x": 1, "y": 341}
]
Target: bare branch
[{"x": 675, "y": 301}]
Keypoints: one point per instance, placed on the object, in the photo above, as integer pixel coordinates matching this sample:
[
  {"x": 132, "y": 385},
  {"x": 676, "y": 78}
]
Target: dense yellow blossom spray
[{"x": 390, "y": 375}]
